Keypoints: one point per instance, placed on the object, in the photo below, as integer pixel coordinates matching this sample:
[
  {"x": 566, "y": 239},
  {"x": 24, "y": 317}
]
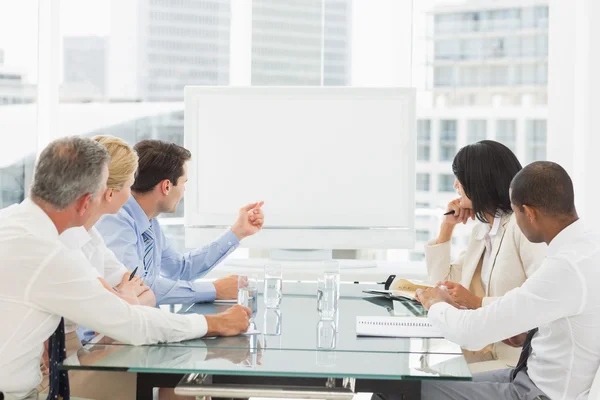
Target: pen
[
  {"x": 451, "y": 212},
  {"x": 133, "y": 273}
]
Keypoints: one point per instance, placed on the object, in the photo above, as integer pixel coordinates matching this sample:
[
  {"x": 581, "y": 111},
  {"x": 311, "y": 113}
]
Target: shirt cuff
[
  {"x": 204, "y": 291},
  {"x": 229, "y": 239},
  {"x": 432, "y": 244},
  {"x": 436, "y": 314},
  {"x": 199, "y": 325}
]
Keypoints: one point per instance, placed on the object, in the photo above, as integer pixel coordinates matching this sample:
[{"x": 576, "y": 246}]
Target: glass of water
[
  {"x": 273, "y": 285},
  {"x": 326, "y": 342},
  {"x": 272, "y": 320},
  {"x": 326, "y": 335},
  {"x": 248, "y": 293},
  {"x": 331, "y": 269},
  {"x": 328, "y": 296}
]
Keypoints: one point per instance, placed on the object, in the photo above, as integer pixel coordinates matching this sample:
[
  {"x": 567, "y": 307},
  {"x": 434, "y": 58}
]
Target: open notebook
[
  {"x": 402, "y": 288},
  {"x": 396, "y": 327}
]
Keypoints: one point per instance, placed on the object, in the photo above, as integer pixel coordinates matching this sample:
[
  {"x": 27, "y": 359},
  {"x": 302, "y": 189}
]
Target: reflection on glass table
[
  {"x": 301, "y": 315},
  {"x": 440, "y": 365},
  {"x": 250, "y": 359},
  {"x": 237, "y": 350}
]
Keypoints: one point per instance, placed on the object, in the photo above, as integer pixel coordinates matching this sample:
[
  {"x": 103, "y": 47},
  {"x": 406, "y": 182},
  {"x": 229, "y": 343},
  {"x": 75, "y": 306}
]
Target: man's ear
[
  {"x": 532, "y": 213},
  {"x": 82, "y": 204},
  {"x": 165, "y": 187}
]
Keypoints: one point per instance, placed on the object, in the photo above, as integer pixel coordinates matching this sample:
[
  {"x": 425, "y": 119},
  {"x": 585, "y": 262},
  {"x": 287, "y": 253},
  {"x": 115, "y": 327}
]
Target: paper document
[
  {"x": 408, "y": 287},
  {"x": 396, "y": 327},
  {"x": 402, "y": 288}
]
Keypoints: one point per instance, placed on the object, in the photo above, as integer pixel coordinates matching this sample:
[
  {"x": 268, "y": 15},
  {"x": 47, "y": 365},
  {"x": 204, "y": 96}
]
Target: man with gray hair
[{"x": 42, "y": 281}]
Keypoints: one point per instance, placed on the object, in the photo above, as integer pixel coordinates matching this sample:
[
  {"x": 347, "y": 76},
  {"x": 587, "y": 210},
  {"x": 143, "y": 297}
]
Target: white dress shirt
[
  {"x": 486, "y": 266},
  {"x": 101, "y": 258},
  {"x": 42, "y": 280},
  {"x": 561, "y": 299}
]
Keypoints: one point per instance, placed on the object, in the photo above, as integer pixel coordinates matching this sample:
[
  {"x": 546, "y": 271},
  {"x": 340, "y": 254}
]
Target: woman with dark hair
[{"x": 498, "y": 257}]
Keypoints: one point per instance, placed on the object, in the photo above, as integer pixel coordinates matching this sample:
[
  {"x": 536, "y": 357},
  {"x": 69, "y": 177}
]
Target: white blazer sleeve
[{"x": 439, "y": 266}]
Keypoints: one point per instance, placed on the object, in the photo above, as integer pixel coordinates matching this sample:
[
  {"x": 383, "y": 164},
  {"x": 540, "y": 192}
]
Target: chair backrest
[{"x": 595, "y": 389}]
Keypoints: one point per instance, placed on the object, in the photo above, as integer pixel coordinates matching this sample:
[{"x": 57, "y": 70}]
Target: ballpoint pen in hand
[{"x": 133, "y": 273}]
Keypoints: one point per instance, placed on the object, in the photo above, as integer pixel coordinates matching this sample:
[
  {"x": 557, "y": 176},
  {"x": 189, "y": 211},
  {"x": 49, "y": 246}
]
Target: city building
[
  {"x": 14, "y": 88},
  {"x": 156, "y": 47},
  {"x": 487, "y": 79},
  {"x": 84, "y": 64},
  {"x": 301, "y": 43}
]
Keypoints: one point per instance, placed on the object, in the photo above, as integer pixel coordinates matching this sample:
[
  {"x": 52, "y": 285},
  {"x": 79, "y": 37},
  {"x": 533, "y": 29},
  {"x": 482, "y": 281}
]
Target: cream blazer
[{"x": 513, "y": 258}]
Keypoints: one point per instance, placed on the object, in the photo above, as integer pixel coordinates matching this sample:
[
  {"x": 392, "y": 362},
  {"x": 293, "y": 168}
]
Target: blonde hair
[{"x": 123, "y": 160}]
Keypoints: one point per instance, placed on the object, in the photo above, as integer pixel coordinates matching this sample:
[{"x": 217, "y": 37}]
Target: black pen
[
  {"x": 133, "y": 273},
  {"x": 451, "y": 212}
]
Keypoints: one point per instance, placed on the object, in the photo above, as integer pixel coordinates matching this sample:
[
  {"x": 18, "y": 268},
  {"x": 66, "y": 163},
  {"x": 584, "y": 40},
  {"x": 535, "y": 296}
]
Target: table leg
[
  {"x": 411, "y": 390},
  {"x": 147, "y": 382}
]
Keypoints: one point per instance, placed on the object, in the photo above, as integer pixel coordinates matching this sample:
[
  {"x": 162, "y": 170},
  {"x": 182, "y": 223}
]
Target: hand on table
[
  {"x": 227, "y": 288},
  {"x": 232, "y": 322}
]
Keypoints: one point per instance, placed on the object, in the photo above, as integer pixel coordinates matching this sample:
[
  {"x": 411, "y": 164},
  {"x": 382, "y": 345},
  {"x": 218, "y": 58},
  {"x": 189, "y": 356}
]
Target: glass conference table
[{"x": 295, "y": 354}]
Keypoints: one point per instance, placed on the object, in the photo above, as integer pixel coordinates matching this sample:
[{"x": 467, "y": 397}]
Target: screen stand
[{"x": 300, "y": 255}]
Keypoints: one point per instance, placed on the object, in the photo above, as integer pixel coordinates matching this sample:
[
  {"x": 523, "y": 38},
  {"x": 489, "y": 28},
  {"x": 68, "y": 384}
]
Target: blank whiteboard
[{"x": 335, "y": 166}]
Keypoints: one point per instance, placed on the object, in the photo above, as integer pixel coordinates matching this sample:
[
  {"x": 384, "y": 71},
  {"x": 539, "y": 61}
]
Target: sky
[{"x": 373, "y": 20}]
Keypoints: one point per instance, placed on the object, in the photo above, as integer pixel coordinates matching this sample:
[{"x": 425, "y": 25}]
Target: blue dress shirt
[{"x": 171, "y": 275}]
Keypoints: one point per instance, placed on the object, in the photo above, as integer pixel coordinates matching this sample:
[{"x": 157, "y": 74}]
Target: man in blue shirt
[{"x": 135, "y": 236}]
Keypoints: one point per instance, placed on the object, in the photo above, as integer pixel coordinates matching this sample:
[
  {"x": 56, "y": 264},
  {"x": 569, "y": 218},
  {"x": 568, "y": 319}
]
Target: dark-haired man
[
  {"x": 136, "y": 238},
  {"x": 559, "y": 305}
]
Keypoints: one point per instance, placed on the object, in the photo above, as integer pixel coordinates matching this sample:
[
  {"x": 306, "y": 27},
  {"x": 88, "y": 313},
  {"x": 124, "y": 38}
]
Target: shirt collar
[
  {"x": 75, "y": 238},
  {"x": 44, "y": 224},
  {"x": 565, "y": 237},
  {"x": 491, "y": 230},
  {"x": 95, "y": 236},
  {"x": 134, "y": 209}
]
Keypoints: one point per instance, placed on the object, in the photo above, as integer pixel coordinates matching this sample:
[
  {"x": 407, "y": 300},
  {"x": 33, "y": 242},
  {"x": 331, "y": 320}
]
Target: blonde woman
[
  {"x": 498, "y": 257},
  {"x": 111, "y": 273}
]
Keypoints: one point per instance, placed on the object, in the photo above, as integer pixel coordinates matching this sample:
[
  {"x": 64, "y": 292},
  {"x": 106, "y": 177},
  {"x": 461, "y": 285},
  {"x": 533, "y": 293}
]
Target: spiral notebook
[{"x": 396, "y": 327}]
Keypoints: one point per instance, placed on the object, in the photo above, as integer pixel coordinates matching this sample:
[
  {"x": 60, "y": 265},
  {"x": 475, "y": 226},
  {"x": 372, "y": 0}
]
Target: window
[
  {"x": 18, "y": 98},
  {"x": 422, "y": 182},
  {"x": 444, "y": 76},
  {"x": 471, "y": 49},
  {"x": 447, "y": 49},
  {"x": 447, "y": 140},
  {"x": 476, "y": 131},
  {"x": 446, "y": 183},
  {"x": 506, "y": 133},
  {"x": 470, "y": 59},
  {"x": 422, "y": 235},
  {"x": 416, "y": 256},
  {"x": 423, "y": 140},
  {"x": 535, "y": 136}
]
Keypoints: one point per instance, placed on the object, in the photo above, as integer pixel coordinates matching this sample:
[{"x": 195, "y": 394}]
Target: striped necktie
[
  {"x": 148, "y": 237},
  {"x": 59, "y": 380}
]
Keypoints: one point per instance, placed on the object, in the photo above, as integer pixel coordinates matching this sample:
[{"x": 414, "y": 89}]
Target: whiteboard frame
[{"x": 398, "y": 237}]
